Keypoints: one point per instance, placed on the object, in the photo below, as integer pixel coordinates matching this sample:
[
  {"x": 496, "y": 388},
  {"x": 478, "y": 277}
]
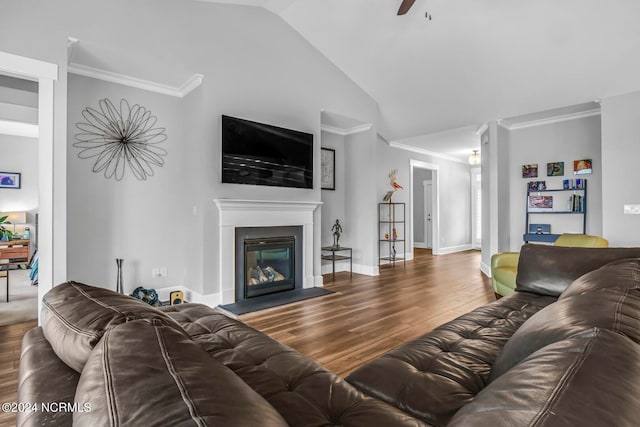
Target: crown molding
[
  {"x": 395, "y": 144},
  {"x": 344, "y": 132},
  {"x": 482, "y": 128},
  {"x": 9, "y": 127},
  {"x": 72, "y": 48},
  {"x": 549, "y": 120},
  {"x": 109, "y": 76}
]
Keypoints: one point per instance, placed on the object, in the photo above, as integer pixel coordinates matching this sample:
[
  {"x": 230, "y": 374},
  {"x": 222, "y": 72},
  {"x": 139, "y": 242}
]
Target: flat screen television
[{"x": 261, "y": 154}]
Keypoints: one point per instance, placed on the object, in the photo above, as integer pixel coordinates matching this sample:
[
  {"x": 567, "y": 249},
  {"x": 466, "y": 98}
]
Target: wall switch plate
[
  {"x": 632, "y": 209},
  {"x": 155, "y": 272},
  {"x": 163, "y": 272}
]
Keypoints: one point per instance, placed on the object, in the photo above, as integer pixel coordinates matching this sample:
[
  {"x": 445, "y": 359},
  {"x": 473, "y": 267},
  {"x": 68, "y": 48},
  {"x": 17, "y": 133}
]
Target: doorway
[
  {"x": 424, "y": 206},
  {"x": 45, "y": 74}
]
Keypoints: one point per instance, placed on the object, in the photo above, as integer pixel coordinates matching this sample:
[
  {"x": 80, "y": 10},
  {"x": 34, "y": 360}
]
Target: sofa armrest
[
  {"x": 504, "y": 259},
  {"x": 44, "y": 378}
]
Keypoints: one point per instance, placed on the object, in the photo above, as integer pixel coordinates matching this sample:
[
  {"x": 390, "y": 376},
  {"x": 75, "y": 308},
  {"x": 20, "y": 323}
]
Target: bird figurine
[{"x": 393, "y": 175}]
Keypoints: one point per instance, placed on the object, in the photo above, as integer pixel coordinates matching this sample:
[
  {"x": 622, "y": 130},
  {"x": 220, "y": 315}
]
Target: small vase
[{"x": 119, "y": 285}]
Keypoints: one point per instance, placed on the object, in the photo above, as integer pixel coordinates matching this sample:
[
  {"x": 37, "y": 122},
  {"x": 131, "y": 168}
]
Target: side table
[{"x": 333, "y": 257}]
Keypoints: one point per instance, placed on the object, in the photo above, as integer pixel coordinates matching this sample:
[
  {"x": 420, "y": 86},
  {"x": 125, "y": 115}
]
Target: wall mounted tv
[{"x": 261, "y": 154}]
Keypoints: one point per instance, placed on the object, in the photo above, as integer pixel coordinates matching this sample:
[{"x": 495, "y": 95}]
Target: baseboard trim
[
  {"x": 486, "y": 269},
  {"x": 367, "y": 270},
  {"x": 212, "y": 300},
  {"x": 454, "y": 249},
  {"x": 421, "y": 245}
]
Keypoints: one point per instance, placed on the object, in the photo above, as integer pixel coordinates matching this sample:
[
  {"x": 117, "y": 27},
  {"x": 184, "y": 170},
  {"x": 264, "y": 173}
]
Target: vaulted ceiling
[{"x": 475, "y": 60}]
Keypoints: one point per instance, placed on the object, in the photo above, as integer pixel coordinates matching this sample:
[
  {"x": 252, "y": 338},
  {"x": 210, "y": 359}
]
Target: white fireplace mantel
[{"x": 234, "y": 213}]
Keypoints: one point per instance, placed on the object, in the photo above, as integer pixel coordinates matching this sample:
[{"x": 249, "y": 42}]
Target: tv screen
[{"x": 261, "y": 154}]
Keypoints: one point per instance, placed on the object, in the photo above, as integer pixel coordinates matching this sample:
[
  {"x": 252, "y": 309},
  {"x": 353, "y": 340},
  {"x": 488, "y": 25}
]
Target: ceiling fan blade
[{"x": 405, "y": 6}]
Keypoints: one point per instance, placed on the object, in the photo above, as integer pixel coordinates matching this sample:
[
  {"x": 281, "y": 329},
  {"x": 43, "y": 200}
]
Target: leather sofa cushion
[
  {"x": 607, "y": 298},
  {"x": 75, "y": 316},
  {"x": 615, "y": 310},
  {"x": 437, "y": 374},
  {"x": 621, "y": 275},
  {"x": 588, "y": 380},
  {"x": 301, "y": 390},
  {"x": 549, "y": 270},
  {"x": 144, "y": 373},
  {"x": 40, "y": 368}
]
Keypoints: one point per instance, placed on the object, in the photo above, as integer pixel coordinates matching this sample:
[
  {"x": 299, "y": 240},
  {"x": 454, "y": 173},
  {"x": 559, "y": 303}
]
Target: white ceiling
[{"x": 475, "y": 61}]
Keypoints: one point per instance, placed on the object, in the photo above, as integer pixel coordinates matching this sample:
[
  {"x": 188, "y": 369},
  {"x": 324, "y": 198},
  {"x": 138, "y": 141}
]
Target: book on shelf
[{"x": 574, "y": 184}]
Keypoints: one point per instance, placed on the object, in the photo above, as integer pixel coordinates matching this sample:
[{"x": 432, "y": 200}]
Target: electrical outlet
[
  {"x": 163, "y": 272},
  {"x": 155, "y": 272},
  {"x": 632, "y": 209}
]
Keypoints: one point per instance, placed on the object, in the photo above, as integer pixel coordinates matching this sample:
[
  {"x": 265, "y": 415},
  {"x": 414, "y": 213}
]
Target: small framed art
[
  {"x": 530, "y": 171},
  {"x": 327, "y": 169},
  {"x": 555, "y": 169},
  {"x": 10, "y": 180}
]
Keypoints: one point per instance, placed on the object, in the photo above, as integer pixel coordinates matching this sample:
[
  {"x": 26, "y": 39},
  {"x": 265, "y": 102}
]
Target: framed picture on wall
[
  {"x": 10, "y": 180},
  {"x": 327, "y": 169},
  {"x": 555, "y": 169},
  {"x": 530, "y": 171},
  {"x": 582, "y": 167}
]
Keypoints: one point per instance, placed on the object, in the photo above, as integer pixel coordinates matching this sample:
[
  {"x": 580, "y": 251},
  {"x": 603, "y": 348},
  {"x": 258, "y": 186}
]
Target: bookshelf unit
[
  {"x": 391, "y": 234},
  {"x": 576, "y": 205}
]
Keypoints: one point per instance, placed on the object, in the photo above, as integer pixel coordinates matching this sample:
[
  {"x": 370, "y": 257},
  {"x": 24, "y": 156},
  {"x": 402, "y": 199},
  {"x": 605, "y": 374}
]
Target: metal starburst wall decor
[{"x": 120, "y": 137}]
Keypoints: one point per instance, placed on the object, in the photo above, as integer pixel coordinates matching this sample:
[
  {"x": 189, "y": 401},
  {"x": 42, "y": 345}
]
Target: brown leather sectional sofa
[{"x": 562, "y": 350}]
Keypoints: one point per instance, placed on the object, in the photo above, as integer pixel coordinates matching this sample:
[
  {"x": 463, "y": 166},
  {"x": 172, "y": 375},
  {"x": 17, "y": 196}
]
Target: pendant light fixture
[{"x": 474, "y": 158}]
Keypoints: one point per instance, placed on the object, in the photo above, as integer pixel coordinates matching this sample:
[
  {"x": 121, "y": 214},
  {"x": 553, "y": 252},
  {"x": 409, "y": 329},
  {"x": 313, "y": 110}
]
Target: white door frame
[
  {"x": 474, "y": 208},
  {"x": 427, "y": 223},
  {"x": 45, "y": 74},
  {"x": 435, "y": 223}
]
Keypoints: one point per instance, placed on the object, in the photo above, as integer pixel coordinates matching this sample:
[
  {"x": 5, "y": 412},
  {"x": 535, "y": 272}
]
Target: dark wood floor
[
  {"x": 366, "y": 317},
  {"x": 10, "y": 343},
  {"x": 369, "y": 316}
]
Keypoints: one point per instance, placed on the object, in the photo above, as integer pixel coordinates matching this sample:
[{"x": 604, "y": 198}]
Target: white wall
[
  {"x": 269, "y": 74},
  {"x": 620, "y": 172},
  {"x": 454, "y": 187},
  {"x": 334, "y": 201},
  {"x": 142, "y": 222},
  {"x": 419, "y": 177},
  {"x": 564, "y": 141}
]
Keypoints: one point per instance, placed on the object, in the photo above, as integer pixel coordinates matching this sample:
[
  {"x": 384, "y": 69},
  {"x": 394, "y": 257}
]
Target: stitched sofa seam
[
  {"x": 66, "y": 323},
  {"x": 178, "y": 381},
  {"x": 561, "y": 387}
]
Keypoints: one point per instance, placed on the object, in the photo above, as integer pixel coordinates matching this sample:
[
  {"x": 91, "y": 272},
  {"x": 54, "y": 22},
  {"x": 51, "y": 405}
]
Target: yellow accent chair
[{"x": 504, "y": 265}]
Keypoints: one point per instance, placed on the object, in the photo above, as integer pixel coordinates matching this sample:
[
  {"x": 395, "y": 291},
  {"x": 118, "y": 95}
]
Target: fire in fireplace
[
  {"x": 268, "y": 260},
  {"x": 270, "y": 265}
]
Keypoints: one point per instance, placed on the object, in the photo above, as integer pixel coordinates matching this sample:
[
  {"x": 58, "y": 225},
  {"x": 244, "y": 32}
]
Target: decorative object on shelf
[
  {"x": 540, "y": 203},
  {"x": 150, "y": 296},
  {"x": 539, "y": 228},
  {"x": 555, "y": 169},
  {"x": 337, "y": 230},
  {"x": 537, "y": 185},
  {"x": 121, "y": 137},
  {"x": 574, "y": 184},
  {"x": 13, "y": 218},
  {"x": 393, "y": 175},
  {"x": 119, "y": 284},
  {"x": 530, "y": 171},
  {"x": 11, "y": 180},
  {"x": 582, "y": 167},
  {"x": 327, "y": 169},
  {"x": 474, "y": 158},
  {"x": 395, "y": 234}
]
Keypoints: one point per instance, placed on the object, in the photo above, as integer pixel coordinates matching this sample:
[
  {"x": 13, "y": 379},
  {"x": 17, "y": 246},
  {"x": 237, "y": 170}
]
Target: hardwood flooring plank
[{"x": 365, "y": 317}]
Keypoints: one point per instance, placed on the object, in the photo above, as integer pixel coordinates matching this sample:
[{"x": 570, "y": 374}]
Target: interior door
[{"x": 428, "y": 213}]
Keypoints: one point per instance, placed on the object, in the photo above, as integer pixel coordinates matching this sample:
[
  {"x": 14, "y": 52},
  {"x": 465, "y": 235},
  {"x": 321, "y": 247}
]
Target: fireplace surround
[
  {"x": 234, "y": 213},
  {"x": 268, "y": 260}
]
